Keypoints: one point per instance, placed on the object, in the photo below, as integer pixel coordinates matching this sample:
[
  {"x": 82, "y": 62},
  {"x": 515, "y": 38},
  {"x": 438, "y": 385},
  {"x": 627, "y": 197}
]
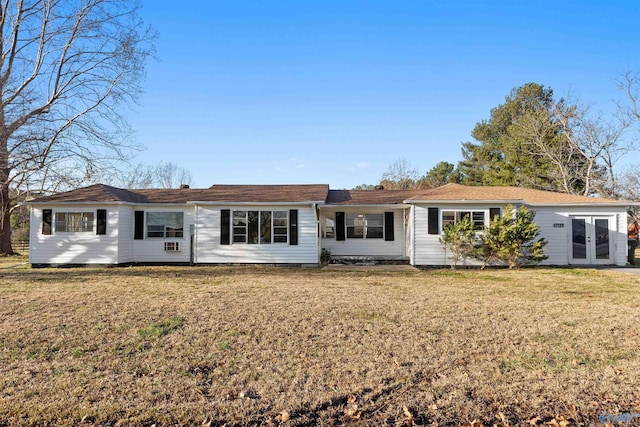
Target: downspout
[
  {"x": 404, "y": 230},
  {"x": 318, "y": 238},
  {"x": 194, "y": 240}
]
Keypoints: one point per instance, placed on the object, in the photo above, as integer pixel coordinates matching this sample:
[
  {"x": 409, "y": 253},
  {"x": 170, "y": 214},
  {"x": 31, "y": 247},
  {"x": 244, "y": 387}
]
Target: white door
[{"x": 590, "y": 240}]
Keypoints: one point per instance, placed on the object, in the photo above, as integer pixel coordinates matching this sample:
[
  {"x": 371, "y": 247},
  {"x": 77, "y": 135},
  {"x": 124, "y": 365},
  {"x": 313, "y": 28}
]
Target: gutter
[
  {"x": 464, "y": 201},
  {"x": 205, "y": 203},
  {"x": 386, "y": 206}
]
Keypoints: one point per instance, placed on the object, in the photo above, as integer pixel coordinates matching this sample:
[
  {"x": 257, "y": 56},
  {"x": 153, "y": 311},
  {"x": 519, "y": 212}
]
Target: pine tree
[
  {"x": 459, "y": 240},
  {"x": 512, "y": 239}
]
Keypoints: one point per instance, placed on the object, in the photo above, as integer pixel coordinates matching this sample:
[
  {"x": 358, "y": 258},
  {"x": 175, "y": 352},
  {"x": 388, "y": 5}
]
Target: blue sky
[{"x": 274, "y": 92}]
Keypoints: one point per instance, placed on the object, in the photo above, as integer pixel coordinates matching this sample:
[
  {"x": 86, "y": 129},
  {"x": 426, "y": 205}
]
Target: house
[{"x": 292, "y": 224}]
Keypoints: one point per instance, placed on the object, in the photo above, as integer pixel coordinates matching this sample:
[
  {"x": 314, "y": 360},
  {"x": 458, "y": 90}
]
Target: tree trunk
[{"x": 5, "y": 222}]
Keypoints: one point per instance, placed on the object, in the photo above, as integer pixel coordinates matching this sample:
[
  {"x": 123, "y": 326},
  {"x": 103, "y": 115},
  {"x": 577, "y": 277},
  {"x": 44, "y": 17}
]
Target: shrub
[
  {"x": 460, "y": 240},
  {"x": 512, "y": 240}
]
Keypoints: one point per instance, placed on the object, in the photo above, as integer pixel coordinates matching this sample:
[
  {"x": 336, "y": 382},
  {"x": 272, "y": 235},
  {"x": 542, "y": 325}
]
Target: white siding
[
  {"x": 210, "y": 251},
  {"x": 125, "y": 235},
  {"x": 151, "y": 249},
  {"x": 427, "y": 247},
  {"x": 429, "y": 251},
  {"x": 74, "y": 248},
  {"x": 558, "y": 248},
  {"x": 369, "y": 247},
  {"x": 410, "y": 233}
]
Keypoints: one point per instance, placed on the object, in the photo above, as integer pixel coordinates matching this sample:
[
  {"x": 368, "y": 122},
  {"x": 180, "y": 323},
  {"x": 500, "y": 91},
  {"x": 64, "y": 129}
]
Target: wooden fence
[{"x": 20, "y": 246}]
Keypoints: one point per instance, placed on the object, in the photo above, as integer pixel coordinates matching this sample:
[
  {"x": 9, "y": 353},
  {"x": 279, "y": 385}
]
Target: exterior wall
[
  {"x": 125, "y": 235},
  {"x": 151, "y": 249},
  {"x": 427, "y": 250},
  {"x": 210, "y": 251},
  {"x": 410, "y": 232},
  {"x": 369, "y": 247},
  {"x": 76, "y": 247},
  {"x": 559, "y": 246}
]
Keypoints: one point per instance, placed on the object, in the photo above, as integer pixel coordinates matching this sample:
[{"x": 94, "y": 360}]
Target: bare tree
[
  {"x": 629, "y": 189},
  {"x": 400, "y": 175},
  {"x": 162, "y": 175},
  {"x": 170, "y": 175},
  {"x": 68, "y": 70},
  {"x": 590, "y": 147}
]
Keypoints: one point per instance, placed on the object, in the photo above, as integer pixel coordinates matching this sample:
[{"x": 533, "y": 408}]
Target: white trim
[
  {"x": 589, "y": 204},
  {"x": 203, "y": 203},
  {"x": 463, "y": 201},
  {"x": 347, "y": 206},
  {"x": 523, "y": 201}
]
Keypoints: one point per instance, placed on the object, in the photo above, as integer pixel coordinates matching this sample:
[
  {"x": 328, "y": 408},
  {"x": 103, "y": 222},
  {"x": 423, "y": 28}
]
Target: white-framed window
[
  {"x": 165, "y": 224},
  {"x": 260, "y": 227},
  {"x": 476, "y": 217},
  {"x": 74, "y": 222},
  {"x": 329, "y": 228},
  {"x": 367, "y": 226}
]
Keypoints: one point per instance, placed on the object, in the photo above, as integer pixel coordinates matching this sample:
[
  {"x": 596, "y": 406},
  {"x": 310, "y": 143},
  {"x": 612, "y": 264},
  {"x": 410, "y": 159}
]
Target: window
[
  {"x": 329, "y": 228},
  {"x": 280, "y": 226},
  {"x": 165, "y": 224},
  {"x": 369, "y": 226},
  {"x": 73, "y": 222},
  {"x": 355, "y": 226},
  {"x": 264, "y": 227},
  {"x": 375, "y": 226},
  {"x": 451, "y": 217}
]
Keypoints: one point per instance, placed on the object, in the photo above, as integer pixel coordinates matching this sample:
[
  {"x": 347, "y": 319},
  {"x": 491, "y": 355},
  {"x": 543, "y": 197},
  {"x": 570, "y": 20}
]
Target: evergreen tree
[
  {"x": 459, "y": 240},
  {"x": 523, "y": 144},
  {"x": 441, "y": 174},
  {"x": 512, "y": 239}
]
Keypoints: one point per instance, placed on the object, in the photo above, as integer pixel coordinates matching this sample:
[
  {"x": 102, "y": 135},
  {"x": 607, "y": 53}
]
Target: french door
[{"x": 590, "y": 240}]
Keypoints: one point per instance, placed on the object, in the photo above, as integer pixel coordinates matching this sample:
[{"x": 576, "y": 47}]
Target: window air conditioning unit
[{"x": 171, "y": 246}]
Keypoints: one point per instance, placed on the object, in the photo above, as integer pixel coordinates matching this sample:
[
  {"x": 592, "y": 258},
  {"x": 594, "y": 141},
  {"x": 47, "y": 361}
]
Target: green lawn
[{"x": 303, "y": 347}]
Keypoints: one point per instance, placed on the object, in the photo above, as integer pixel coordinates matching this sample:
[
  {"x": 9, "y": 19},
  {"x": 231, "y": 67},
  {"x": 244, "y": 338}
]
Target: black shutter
[
  {"x": 138, "y": 227},
  {"x": 101, "y": 221},
  {"x": 47, "y": 215},
  {"x": 339, "y": 225},
  {"x": 388, "y": 226},
  {"x": 225, "y": 226},
  {"x": 493, "y": 212},
  {"x": 293, "y": 227},
  {"x": 434, "y": 221}
]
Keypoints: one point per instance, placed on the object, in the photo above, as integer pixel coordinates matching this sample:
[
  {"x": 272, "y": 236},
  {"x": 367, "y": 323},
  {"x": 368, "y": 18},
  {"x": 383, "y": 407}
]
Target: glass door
[{"x": 590, "y": 240}]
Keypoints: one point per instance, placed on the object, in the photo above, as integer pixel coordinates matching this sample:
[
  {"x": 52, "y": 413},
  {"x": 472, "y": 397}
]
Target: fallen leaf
[
  {"x": 282, "y": 417},
  {"x": 352, "y": 413},
  {"x": 351, "y": 399},
  {"x": 408, "y": 417}
]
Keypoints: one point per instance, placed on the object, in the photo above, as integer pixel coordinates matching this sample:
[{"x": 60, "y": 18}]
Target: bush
[
  {"x": 325, "y": 256},
  {"x": 460, "y": 240},
  {"x": 511, "y": 240}
]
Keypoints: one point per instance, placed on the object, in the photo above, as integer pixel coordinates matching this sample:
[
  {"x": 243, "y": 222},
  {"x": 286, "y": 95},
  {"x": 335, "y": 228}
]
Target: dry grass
[
  {"x": 260, "y": 346},
  {"x": 13, "y": 261}
]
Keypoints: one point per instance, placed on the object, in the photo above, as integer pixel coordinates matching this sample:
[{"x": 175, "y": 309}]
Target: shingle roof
[
  {"x": 457, "y": 192},
  {"x": 369, "y": 197},
  {"x": 95, "y": 193},
  {"x": 318, "y": 193},
  {"x": 216, "y": 193}
]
